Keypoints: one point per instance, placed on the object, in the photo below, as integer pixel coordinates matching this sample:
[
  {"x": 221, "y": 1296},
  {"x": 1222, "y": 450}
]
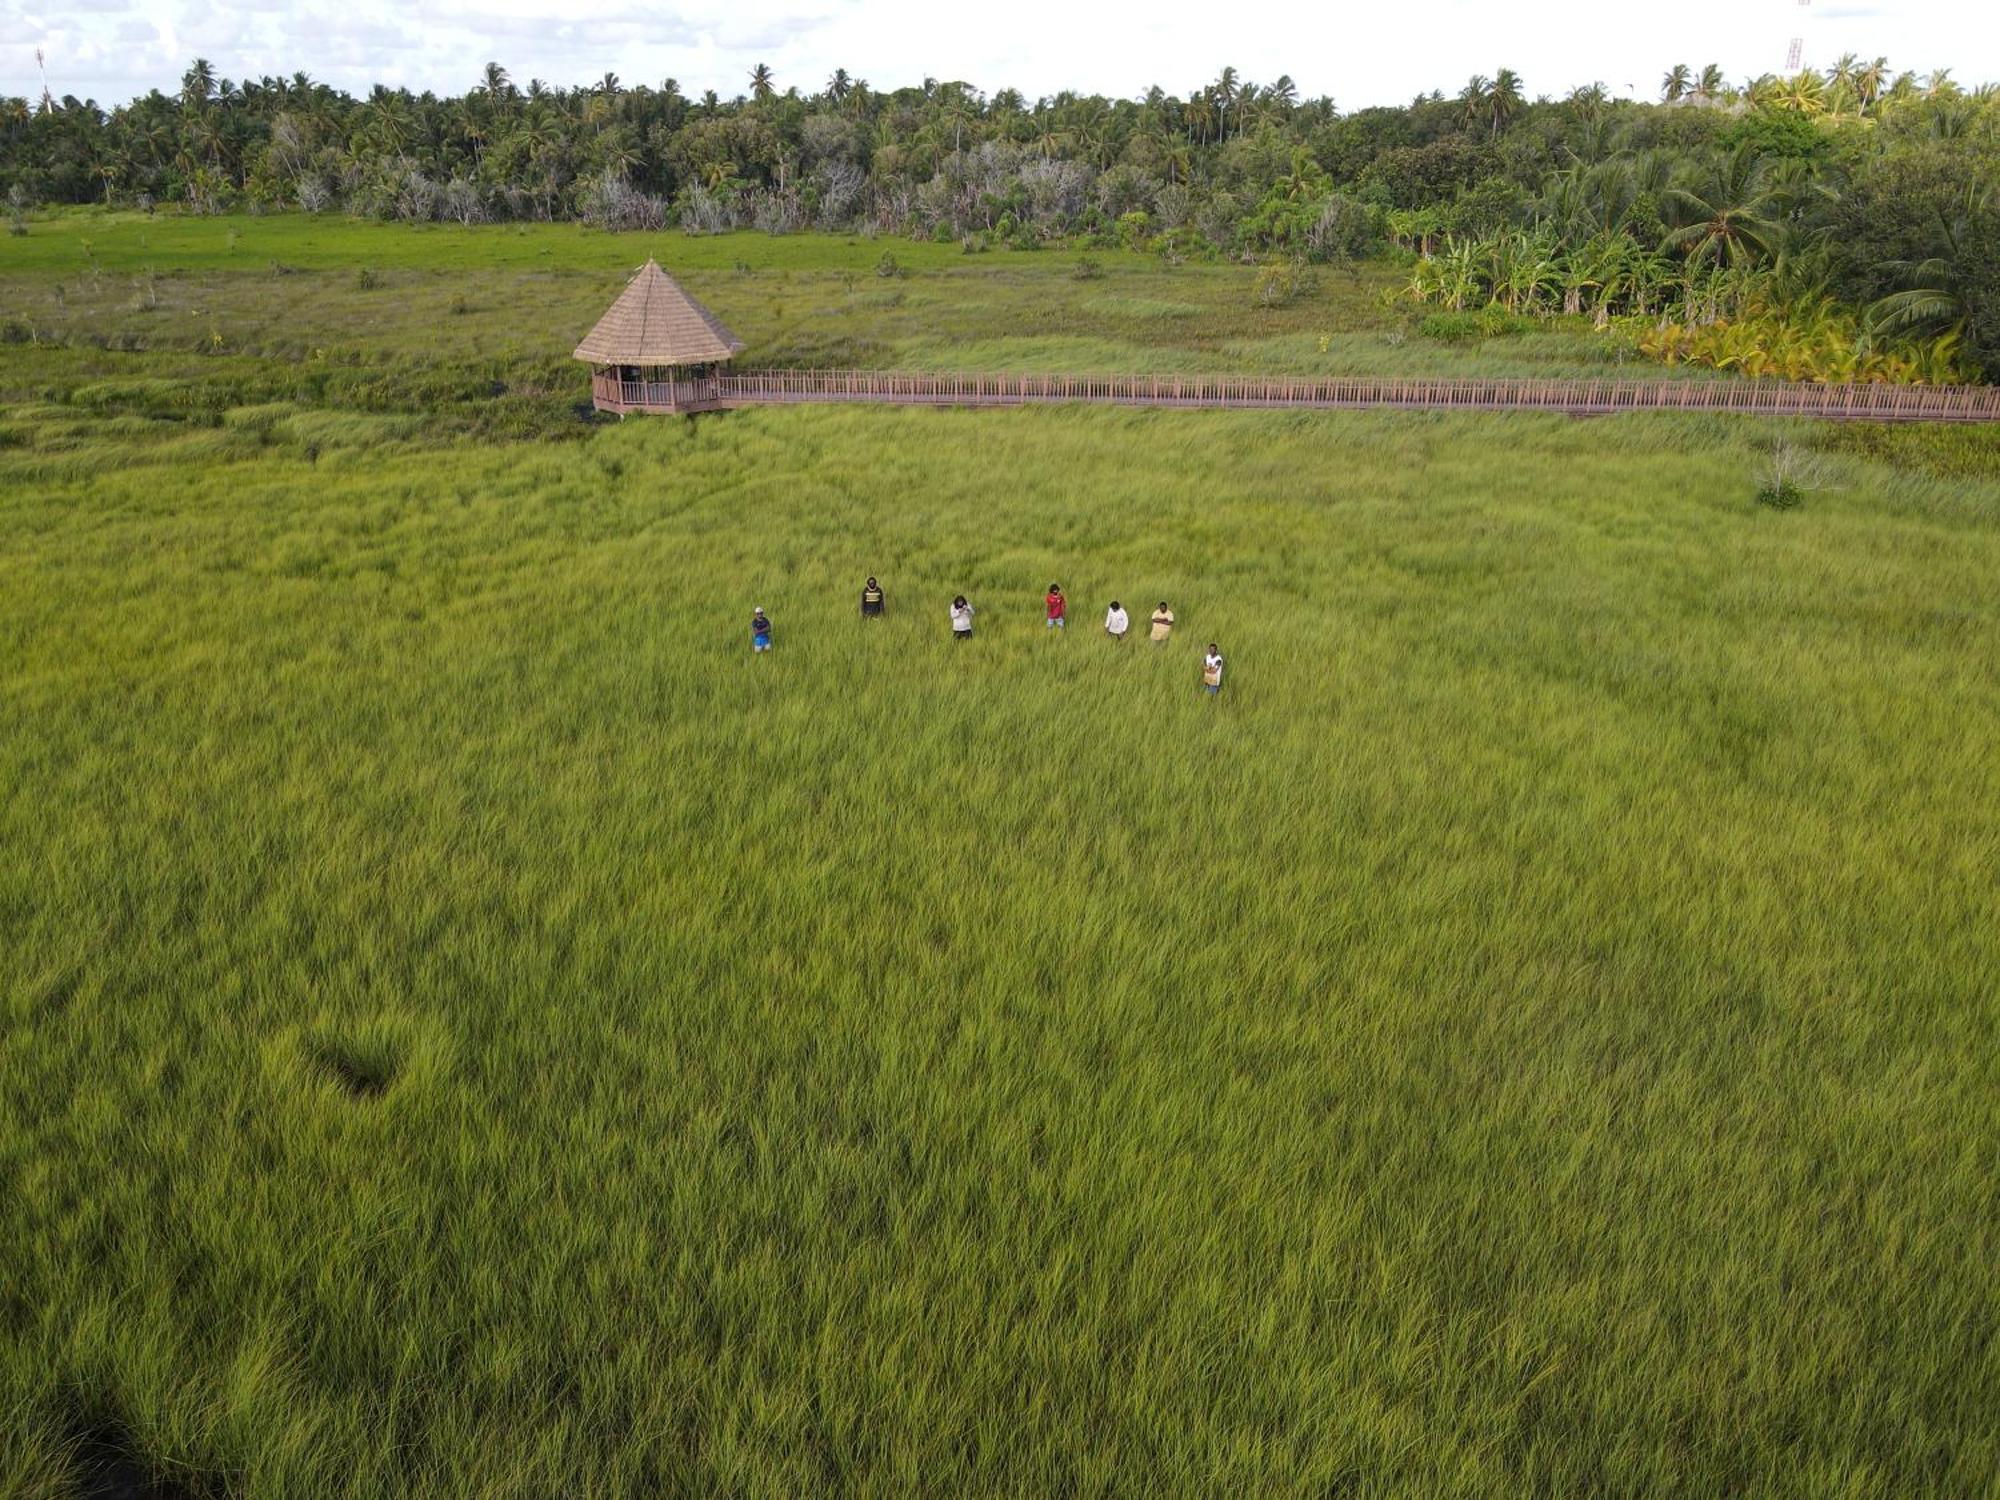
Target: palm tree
[
  {"x": 1805, "y": 92},
  {"x": 1505, "y": 98},
  {"x": 1939, "y": 84},
  {"x": 493, "y": 79},
  {"x": 1677, "y": 84},
  {"x": 1728, "y": 220},
  {"x": 1869, "y": 81},
  {"x": 1474, "y": 97},
  {"x": 1200, "y": 115},
  {"x": 838, "y": 85},
  {"x": 198, "y": 83},
  {"x": 761, "y": 87},
  {"x": 1711, "y": 83},
  {"x": 1227, "y": 91}
]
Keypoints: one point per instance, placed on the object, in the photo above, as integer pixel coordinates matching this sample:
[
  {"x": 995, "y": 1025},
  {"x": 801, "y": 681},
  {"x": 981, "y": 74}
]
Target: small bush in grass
[
  {"x": 366, "y": 280},
  {"x": 1791, "y": 474},
  {"x": 1780, "y": 494},
  {"x": 1283, "y": 282},
  {"x": 1086, "y": 269},
  {"x": 887, "y": 265}
]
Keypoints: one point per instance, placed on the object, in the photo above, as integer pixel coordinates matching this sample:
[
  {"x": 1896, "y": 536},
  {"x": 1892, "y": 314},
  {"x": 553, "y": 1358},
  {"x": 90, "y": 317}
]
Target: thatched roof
[{"x": 654, "y": 322}]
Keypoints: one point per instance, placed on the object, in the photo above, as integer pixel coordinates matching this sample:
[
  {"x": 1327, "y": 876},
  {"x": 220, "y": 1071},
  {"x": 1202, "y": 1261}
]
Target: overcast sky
[{"x": 1361, "y": 54}]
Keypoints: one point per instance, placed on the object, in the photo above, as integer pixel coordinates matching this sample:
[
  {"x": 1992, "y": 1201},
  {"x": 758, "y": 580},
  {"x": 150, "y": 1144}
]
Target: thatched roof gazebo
[{"x": 656, "y": 349}]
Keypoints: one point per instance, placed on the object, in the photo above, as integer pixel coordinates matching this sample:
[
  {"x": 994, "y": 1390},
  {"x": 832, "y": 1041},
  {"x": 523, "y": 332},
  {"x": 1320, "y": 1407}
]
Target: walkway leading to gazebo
[{"x": 724, "y": 390}]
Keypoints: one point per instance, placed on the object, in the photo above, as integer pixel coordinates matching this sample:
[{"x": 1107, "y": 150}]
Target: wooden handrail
[{"x": 1581, "y": 397}]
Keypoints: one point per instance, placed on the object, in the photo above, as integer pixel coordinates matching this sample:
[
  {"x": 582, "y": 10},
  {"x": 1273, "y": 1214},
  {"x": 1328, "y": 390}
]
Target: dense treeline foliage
[{"x": 1860, "y": 200}]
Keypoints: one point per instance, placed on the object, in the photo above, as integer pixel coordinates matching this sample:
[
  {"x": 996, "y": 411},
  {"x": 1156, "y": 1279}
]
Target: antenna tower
[
  {"x": 1795, "y": 55},
  {"x": 48, "y": 99}
]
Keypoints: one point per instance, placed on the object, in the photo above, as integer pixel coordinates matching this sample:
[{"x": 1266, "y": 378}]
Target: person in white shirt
[
  {"x": 1211, "y": 669},
  {"x": 1116, "y": 621},
  {"x": 961, "y": 619}
]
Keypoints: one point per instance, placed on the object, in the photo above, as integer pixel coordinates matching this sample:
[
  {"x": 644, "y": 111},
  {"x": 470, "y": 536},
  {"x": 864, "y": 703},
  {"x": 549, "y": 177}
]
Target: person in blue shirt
[{"x": 760, "y": 630}]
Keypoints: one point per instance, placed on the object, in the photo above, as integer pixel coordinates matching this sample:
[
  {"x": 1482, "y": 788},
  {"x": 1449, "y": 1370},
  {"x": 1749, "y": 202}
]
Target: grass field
[{"x": 471, "y": 1029}]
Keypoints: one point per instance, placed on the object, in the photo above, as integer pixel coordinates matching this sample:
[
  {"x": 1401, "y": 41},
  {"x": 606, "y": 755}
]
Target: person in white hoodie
[
  {"x": 1116, "y": 621},
  {"x": 961, "y": 619}
]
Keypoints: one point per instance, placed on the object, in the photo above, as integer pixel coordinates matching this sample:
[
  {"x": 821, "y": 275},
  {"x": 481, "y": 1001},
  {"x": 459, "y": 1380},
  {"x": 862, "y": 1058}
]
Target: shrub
[
  {"x": 887, "y": 265},
  {"x": 1086, "y": 269},
  {"x": 366, "y": 280},
  {"x": 1450, "y": 327},
  {"x": 1282, "y": 282},
  {"x": 1780, "y": 494}
]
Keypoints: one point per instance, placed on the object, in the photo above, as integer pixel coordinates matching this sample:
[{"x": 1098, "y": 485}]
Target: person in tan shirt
[{"x": 1163, "y": 623}]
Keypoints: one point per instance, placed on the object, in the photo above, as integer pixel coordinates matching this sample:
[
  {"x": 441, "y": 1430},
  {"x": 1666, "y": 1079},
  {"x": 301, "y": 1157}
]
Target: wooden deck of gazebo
[{"x": 724, "y": 390}]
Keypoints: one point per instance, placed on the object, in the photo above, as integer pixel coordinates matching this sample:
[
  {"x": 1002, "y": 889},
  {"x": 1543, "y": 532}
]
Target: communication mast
[
  {"x": 48, "y": 99},
  {"x": 1795, "y": 55}
]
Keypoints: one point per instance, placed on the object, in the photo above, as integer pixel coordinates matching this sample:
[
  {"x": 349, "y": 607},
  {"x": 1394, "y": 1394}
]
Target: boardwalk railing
[{"x": 1873, "y": 403}]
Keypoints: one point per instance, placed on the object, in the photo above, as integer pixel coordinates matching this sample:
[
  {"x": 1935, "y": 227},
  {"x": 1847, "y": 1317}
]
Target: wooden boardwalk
[{"x": 1863, "y": 403}]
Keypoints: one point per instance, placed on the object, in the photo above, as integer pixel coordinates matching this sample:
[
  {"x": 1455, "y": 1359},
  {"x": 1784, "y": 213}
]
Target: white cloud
[{"x": 1361, "y": 55}]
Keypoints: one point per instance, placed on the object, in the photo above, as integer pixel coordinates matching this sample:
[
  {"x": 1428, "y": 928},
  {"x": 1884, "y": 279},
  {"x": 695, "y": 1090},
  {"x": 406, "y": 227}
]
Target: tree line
[{"x": 1860, "y": 196}]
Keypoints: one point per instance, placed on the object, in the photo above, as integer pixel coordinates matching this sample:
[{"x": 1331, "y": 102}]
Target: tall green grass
[{"x": 470, "y": 1028}]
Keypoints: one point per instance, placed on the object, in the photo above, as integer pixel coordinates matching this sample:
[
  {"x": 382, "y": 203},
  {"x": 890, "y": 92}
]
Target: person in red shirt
[{"x": 1058, "y": 609}]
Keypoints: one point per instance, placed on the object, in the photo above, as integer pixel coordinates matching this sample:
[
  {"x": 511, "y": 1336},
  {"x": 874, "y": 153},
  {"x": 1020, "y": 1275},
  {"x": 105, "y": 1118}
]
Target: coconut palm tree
[
  {"x": 839, "y": 85},
  {"x": 1932, "y": 296},
  {"x": 198, "y": 83},
  {"x": 1474, "y": 96},
  {"x": 761, "y": 86},
  {"x": 1505, "y": 98},
  {"x": 493, "y": 80},
  {"x": 1677, "y": 84},
  {"x": 1711, "y": 83},
  {"x": 1227, "y": 91},
  {"x": 1805, "y": 92},
  {"x": 1869, "y": 80},
  {"x": 1729, "y": 219}
]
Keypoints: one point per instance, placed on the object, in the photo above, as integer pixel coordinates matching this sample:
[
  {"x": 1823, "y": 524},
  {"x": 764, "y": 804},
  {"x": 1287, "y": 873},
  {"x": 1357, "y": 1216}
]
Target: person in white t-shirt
[
  {"x": 961, "y": 619},
  {"x": 1211, "y": 669},
  {"x": 1116, "y": 621}
]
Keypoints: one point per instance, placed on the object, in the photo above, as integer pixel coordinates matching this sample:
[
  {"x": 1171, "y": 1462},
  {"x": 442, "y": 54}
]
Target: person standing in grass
[
  {"x": 961, "y": 619},
  {"x": 871, "y": 599},
  {"x": 1211, "y": 670},
  {"x": 760, "y": 630},
  {"x": 1116, "y": 621},
  {"x": 1058, "y": 608},
  {"x": 1163, "y": 624}
]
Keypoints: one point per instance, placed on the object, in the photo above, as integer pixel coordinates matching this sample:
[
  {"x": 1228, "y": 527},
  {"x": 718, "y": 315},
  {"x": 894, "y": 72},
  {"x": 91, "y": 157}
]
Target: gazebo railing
[{"x": 1877, "y": 403}]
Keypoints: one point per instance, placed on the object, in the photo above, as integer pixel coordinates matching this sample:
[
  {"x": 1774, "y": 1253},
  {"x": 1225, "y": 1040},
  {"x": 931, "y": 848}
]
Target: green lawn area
[
  {"x": 331, "y": 289},
  {"x": 469, "y": 1028}
]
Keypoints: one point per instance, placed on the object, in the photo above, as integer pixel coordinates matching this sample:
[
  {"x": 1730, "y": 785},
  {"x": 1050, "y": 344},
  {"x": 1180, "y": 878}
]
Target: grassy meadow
[{"x": 469, "y": 1028}]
